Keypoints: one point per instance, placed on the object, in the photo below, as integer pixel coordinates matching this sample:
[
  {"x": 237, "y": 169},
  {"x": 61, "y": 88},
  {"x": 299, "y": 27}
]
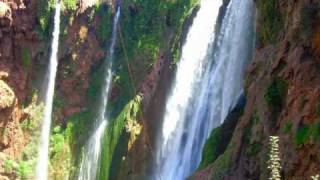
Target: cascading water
[
  {"x": 42, "y": 166},
  {"x": 208, "y": 84},
  {"x": 90, "y": 159}
]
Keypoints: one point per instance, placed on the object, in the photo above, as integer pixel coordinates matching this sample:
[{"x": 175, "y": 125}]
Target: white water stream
[
  {"x": 90, "y": 159},
  {"x": 43, "y": 157}
]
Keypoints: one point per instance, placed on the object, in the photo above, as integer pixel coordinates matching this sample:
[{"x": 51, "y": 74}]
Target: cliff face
[
  {"x": 282, "y": 91},
  {"x": 18, "y": 45}
]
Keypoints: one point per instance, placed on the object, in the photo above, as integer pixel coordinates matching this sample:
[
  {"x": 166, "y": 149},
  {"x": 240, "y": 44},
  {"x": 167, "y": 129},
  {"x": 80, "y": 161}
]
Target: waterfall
[
  {"x": 90, "y": 159},
  {"x": 43, "y": 157},
  {"x": 207, "y": 85}
]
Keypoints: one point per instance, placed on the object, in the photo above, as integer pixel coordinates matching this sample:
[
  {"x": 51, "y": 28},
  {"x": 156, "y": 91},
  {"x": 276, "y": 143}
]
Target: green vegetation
[
  {"x": 315, "y": 131},
  {"x": 253, "y": 149},
  {"x": 210, "y": 150},
  {"x": 287, "y": 127},
  {"x": 32, "y": 124},
  {"x": 114, "y": 132},
  {"x": 69, "y": 5},
  {"x": 271, "y": 21},
  {"x": 24, "y": 167},
  {"x": 44, "y": 11},
  {"x": 306, "y": 133},
  {"x": 9, "y": 165},
  {"x": 105, "y": 26},
  {"x": 302, "y": 135},
  {"x": 26, "y": 58},
  {"x": 222, "y": 165},
  {"x": 276, "y": 93},
  {"x": 219, "y": 138},
  {"x": 61, "y": 164}
]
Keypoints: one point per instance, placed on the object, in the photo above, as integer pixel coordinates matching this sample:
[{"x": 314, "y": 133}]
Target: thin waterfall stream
[
  {"x": 90, "y": 159},
  {"x": 207, "y": 85},
  {"x": 43, "y": 157}
]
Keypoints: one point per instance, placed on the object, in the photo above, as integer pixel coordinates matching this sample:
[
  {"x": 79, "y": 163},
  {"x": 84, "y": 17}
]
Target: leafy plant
[
  {"x": 9, "y": 165},
  {"x": 276, "y": 93},
  {"x": 287, "y": 127},
  {"x": 272, "y": 23},
  {"x": 25, "y": 169},
  {"x": 105, "y": 26},
  {"x": 70, "y": 5},
  {"x": 44, "y": 11},
  {"x": 302, "y": 135},
  {"x": 315, "y": 131}
]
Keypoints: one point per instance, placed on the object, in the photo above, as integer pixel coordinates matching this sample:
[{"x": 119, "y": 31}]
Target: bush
[
  {"x": 44, "y": 11},
  {"x": 302, "y": 135},
  {"x": 287, "y": 127},
  {"x": 307, "y": 132},
  {"x": 25, "y": 169},
  {"x": 271, "y": 20},
  {"x": 104, "y": 28},
  {"x": 69, "y": 5},
  {"x": 219, "y": 138},
  {"x": 276, "y": 93},
  {"x": 61, "y": 164}
]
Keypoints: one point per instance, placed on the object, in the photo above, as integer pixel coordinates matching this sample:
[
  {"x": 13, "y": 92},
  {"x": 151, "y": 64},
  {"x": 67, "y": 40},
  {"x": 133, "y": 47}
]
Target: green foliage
[
  {"x": 287, "y": 127},
  {"x": 315, "y": 131},
  {"x": 222, "y": 165},
  {"x": 219, "y": 138},
  {"x": 253, "y": 149},
  {"x": 57, "y": 140},
  {"x": 96, "y": 81},
  {"x": 44, "y": 11},
  {"x": 276, "y": 93},
  {"x": 9, "y": 165},
  {"x": 271, "y": 20},
  {"x": 78, "y": 126},
  {"x": 26, "y": 58},
  {"x": 61, "y": 158},
  {"x": 105, "y": 26},
  {"x": 302, "y": 135},
  {"x": 113, "y": 133},
  {"x": 210, "y": 151},
  {"x": 69, "y": 5},
  {"x": 307, "y": 132},
  {"x": 25, "y": 169},
  {"x": 32, "y": 123}
]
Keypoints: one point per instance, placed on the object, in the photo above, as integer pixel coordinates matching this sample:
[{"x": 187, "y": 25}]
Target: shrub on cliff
[
  {"x": 276, "y": 93},
  {"x": 270, "y": 19},
  {"x": 219, "y": 138}
]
